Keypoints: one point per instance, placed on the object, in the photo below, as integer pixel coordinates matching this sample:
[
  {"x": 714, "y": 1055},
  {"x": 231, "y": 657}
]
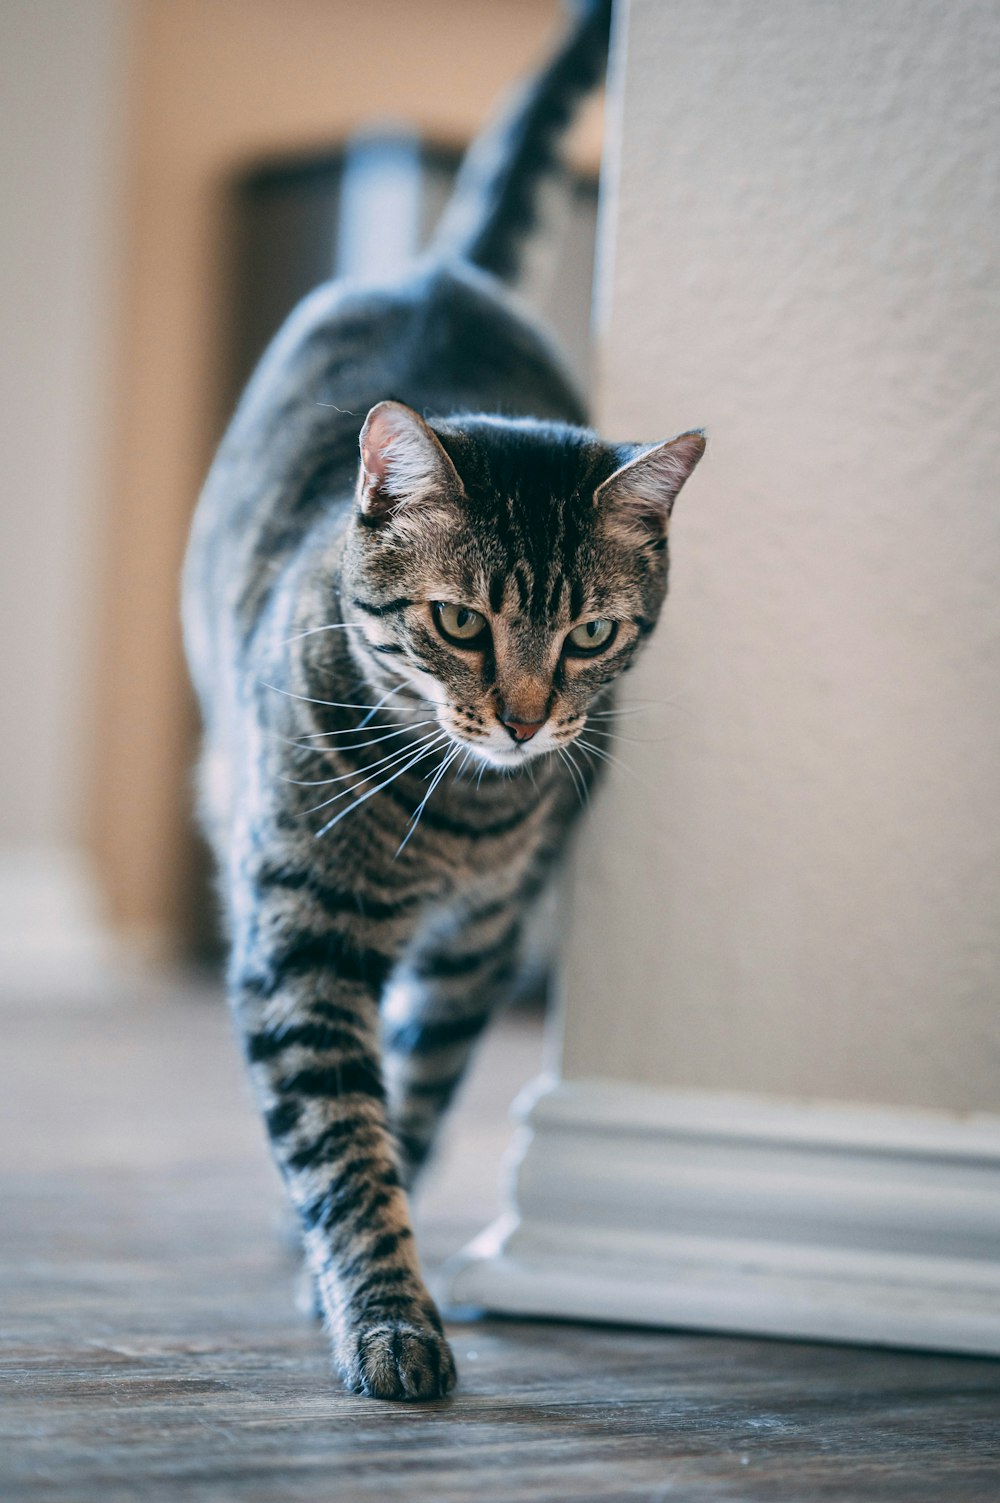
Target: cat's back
[{"x": 447, "y": 338}]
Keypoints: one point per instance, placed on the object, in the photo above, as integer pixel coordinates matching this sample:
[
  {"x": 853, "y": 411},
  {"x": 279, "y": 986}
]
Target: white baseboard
[{"x": 729, "y": 1213}]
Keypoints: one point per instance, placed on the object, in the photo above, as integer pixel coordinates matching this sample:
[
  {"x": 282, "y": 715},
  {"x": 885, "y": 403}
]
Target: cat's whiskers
[
  {"x": 575, "y": 774},
  {"x": 386, "y": 735},
  {"x": 372, "y": 791},
  {"x": 460, "y": 769},
  {"x": 384, "y": 725},
  {"x": 617, "y": 735},
  {"x": 446, "y": 762},
  {"x": 313, "y": 630},
  {"x": 606, "y": 756},
  {"x": 642, "y": 707},
  {"x": 334, "y": 704},
  {"x": 361, "y": 776},
  {"x": 425, "y": 704},
  {"x": 353, "y": 772}
]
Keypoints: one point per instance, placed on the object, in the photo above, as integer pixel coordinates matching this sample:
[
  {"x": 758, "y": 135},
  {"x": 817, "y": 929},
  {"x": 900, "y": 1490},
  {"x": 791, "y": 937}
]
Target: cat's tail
[{"x": 493, "y": 205}]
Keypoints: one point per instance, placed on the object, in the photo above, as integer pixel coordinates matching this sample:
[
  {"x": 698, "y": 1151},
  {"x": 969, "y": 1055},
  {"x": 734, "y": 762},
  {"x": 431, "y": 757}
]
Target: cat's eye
[
  {"x": 591, "y": 637},
  {"x": 459, "y": 624}
]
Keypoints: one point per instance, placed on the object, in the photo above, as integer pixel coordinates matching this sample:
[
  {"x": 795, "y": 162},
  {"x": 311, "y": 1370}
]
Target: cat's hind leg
[{"x": 434, "y": 1012}]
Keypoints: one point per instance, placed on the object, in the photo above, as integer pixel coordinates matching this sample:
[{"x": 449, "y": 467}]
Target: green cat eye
[
  {"x": 592, "y": 636},
  {"x": 459, "y": 624}
]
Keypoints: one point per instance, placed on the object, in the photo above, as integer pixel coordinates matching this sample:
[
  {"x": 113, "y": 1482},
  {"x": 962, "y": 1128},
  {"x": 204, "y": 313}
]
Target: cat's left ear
[
  {"x": 639, "y": 496},
  {"x": 402, "y": 463}
]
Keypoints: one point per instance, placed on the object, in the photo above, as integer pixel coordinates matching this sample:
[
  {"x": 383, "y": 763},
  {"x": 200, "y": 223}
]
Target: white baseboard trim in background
[{"x": 730, "y": 1213}]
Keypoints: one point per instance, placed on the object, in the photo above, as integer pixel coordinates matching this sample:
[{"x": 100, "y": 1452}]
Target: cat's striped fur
[{"x": 387, "y": 802}]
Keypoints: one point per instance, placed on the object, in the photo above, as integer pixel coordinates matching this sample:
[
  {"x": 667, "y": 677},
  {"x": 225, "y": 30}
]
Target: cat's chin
[{"x": 500, "y": 758}]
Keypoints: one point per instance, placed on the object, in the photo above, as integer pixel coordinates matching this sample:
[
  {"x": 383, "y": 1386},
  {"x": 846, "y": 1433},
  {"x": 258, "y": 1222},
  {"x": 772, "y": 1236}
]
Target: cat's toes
[{"x": 401, "y": 1359}]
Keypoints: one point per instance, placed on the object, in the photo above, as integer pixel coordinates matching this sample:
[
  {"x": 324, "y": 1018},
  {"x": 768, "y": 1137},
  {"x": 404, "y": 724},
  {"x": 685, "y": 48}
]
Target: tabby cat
[{"x": 395, "y": 652}]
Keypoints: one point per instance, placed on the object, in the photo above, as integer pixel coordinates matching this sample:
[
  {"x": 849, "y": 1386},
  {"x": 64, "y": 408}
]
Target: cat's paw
[{"x": 398, "y": 1358}]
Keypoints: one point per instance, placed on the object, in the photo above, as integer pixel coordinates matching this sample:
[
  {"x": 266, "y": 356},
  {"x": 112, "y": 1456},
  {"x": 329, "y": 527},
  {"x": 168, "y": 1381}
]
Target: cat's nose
[{"x": 521, "y": 730}]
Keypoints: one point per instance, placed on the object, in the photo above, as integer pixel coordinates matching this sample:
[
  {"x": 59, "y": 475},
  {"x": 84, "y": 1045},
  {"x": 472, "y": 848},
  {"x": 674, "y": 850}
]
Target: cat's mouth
[{"x": 505, "y": 753}]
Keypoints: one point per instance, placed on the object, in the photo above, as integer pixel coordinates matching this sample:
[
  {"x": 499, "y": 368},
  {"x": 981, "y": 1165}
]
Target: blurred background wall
[
  {"x": 63, "y": 81},
  {"x": 216, "y": 86},
  {"x": 129, "y": 125}
]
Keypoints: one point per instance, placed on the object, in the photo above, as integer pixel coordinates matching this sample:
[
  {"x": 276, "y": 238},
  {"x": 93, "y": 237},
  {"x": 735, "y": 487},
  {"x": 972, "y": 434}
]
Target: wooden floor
[{"x": 151, "y": 1350}]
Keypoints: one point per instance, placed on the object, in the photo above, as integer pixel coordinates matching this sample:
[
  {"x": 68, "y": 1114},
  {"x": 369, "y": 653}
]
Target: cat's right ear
[
  {"x": 639, "y": 497},
  {"x": 403, "y": 464}
]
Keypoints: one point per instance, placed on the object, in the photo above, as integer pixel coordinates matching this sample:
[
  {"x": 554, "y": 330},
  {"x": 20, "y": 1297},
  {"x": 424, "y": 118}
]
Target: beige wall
[{"x": 801, "y": 894}]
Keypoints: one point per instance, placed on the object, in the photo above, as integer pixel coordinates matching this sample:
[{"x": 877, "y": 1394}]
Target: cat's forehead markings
[{"x": 576, "y": 599}]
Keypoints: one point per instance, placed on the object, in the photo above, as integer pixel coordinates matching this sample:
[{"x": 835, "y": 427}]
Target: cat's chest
[{"x": 441, "y": 843}]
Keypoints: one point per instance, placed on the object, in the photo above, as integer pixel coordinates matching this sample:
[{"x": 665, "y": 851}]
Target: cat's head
[{"x": 508, "y": 569}]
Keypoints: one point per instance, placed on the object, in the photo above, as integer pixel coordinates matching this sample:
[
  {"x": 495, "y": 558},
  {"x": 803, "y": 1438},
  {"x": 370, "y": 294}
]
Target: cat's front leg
[{"x": 306, "y": 998}]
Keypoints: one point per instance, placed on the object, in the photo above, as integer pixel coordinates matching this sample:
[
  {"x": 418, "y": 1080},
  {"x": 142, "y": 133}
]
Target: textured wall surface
[{"x": 800, "y": 892}]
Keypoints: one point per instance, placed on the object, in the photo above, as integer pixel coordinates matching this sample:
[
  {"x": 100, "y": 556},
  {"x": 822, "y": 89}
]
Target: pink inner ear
[
  {"x": 382, "y": 431},
  {"x": 375, "y": 464},
  {"x": 402, "y": 461},
  {"x": 398, "y": 454}
]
